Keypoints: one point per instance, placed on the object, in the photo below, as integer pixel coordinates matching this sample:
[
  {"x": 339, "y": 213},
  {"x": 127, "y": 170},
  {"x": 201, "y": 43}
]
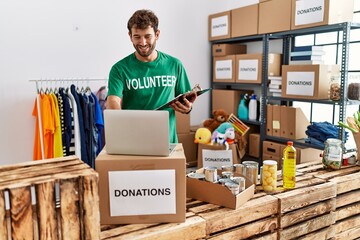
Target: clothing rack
[{"x": 63, "y": 80}]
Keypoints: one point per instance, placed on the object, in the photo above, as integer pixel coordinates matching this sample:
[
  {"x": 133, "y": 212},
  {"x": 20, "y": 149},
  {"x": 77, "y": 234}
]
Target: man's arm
[{"x": 113, "y": 102}]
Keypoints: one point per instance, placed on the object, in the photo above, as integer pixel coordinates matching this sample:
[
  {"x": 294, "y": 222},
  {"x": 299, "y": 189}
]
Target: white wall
[{"x": 82, "y": 39}]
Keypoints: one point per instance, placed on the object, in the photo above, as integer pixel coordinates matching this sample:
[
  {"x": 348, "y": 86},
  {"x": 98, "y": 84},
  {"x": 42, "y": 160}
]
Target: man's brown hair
[{"x": 141, "y": 19}]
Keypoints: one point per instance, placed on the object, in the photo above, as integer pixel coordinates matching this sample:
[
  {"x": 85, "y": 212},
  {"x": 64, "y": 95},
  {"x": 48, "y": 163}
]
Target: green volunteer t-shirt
[{"x": 148, "y": 85}]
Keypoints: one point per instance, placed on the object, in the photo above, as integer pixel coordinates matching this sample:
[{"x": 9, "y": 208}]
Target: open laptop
[{"x": 137, "y": 132}]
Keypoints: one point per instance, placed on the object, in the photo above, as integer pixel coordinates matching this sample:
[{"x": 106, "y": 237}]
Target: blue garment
[
  {"x": 79, "y": 104},
  {"x": 99, "y": 120},
  {"x": 319, "y": 132}
]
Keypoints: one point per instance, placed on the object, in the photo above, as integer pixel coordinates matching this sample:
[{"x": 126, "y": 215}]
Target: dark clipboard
[{"x": 180, "y": 97}]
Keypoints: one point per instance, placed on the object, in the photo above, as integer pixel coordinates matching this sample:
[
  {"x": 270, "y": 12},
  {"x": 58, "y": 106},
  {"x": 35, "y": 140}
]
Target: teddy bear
[{"x": 219, "y": 116}]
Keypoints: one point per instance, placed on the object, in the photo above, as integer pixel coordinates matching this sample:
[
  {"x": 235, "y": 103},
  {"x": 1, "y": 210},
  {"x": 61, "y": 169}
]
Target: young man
[{"x": 148, "y": 78}]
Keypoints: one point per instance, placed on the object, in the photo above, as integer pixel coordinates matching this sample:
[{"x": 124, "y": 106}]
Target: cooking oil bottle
[{"x": 289, "y": 166}]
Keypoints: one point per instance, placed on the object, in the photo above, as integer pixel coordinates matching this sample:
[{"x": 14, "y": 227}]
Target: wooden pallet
[
  {"x": 192, "y": 228},
  {"x": 347, "y": 180},
  {"x": 49, "y": 199}
]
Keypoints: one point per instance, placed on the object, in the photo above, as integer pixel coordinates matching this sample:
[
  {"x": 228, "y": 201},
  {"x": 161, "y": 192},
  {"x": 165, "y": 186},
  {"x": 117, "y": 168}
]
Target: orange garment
[{"x": 48, "y": 128}]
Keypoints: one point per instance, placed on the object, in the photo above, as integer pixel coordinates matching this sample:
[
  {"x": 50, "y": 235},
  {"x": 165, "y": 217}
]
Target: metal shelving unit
[{"x": 287, "y": 37}]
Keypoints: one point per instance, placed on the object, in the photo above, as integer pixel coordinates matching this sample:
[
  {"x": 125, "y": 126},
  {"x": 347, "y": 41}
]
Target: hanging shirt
[
  {"x": 43, "y": 116},
  {"x": 58, "y": 147},
  {"x": 76, "y": 130}
]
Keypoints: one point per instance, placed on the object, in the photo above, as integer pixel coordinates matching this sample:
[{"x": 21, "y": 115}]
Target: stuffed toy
[
  {"x": 202, "y": 135},
  {"x": 219, "y": 117},
  {"x": 224, "y": 135}
]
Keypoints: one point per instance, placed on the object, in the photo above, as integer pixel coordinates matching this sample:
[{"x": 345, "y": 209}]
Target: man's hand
[
  {"x": 185, "y": 105},
  {"x": 113, "y": 102}
]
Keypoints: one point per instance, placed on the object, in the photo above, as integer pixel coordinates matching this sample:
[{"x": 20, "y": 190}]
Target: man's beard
[{"x": 145, "y": 54}]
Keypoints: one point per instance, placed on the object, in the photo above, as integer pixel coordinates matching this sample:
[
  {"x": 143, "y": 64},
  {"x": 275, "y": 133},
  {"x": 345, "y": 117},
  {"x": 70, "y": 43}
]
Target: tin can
[
  {"x": 251, "y": 170},
  {"x": 233, "y": 187},
  {"x": 227, "y": 168},
  {"x": 210, "y": 174},
  {"x": 240, "y": 181},
  {"x": 239, "y": 168},
  {"x": 227, "y": 174},
  {"x": 199, "y": 176}
]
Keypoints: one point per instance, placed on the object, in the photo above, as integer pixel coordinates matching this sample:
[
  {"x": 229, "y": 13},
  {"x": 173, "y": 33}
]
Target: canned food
[
  {"x": 210, "y": 174},
  {"x": 240, "y": 181},
  {"x": 199, "y": 176},
  {"x": 251, "y": 170},
  {"x": 227, "y": 168},
  {"x": 269, "y": 177},
  {"x": 233, "y": 187},
  {"x": 227, "y": 174},
  {"x": 238, "y": 168}
]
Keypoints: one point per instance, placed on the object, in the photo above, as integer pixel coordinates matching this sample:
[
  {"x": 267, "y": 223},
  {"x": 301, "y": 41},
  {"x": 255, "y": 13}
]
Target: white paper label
[
  {"x": 223, "y": 69},
  {"x": 300, "y": 83},
  {"x": 219, "y": 26},
  {"x": 309, "y": 11},
  {"x": 217, "y": 158},
  {"x": 248, "y": 69},
  {"x": 142, "y": 192}
]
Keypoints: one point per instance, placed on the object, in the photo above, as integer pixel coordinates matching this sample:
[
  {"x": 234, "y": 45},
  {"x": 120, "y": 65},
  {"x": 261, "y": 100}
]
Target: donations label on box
[
  {"x": 142, "y": 192},
  {"x": 217, "y": 158},
  {"x": 248, "y": 69},
  {"x": 223, "y": 69},
  {"x": 300, "y": 83},
  {"x": 307, "y": 12},
  {"x": 220, "y": 26}
]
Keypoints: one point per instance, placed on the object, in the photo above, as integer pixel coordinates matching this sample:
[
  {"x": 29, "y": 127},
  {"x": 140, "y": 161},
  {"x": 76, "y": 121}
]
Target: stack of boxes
[{"x": 270, "y": 16}]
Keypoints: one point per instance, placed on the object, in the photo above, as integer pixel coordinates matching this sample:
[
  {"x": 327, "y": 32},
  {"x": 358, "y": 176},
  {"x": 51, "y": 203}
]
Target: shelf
[
  {"x": 321, "y": 101},
  {"x": 297, "y": 142}
]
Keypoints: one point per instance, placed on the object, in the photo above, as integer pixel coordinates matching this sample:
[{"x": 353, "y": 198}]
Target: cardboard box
[
  {"x": 269, "y": 119},
  {"x": 244, "y": 21},
  {"x": 219, "y": 155},
  {"x": 293, "y": 123},
  {"x": 304, "y": 154},
  {"x": 217, "y": 194},
  {"x": 248, "y": 67},
  {"x": 254, "y": 145},
  {"x": 274, "y": 16},
  {"x": 316, "y": 13},
  {"x": 272, "y": 148},
  {"x": 228, "y": 100},
  {"x": 276, "y": 120},
  {"x": 308, "y": 81},
  {"x": 224, "y": 69},
  {"x": 219, "y": 26},
  {"x": 182, "y": 122},
  {"x": 190, "y": 148},
  {"x": 124, "y": 175},
  {"x": 275, "y": 158},
  {"x": 224, "y": 49}
]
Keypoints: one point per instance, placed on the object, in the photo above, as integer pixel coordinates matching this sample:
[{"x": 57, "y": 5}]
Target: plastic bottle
[
  {"x": 252, "y": 107},
  {"x": 289, "y": 166},
  {"x": 243, "y": 111}
]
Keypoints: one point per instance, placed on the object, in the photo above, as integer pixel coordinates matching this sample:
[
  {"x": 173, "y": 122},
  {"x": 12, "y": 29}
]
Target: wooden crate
[
  {"x": 347, "y": 180},
  {"x": 192, "y": 228},
  {"x": 257, "y": 217},
  {"x": 307, "y": 211},
  {"x": 49, "y": 199}
]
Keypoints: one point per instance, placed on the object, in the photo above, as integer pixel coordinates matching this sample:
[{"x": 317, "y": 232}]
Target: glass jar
[
  {"x": 335, "y": 90},
  {"x": 269, "y": 175},
  {"x": 250, "y": 170},
  {"x": 333, "y": 153}
]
